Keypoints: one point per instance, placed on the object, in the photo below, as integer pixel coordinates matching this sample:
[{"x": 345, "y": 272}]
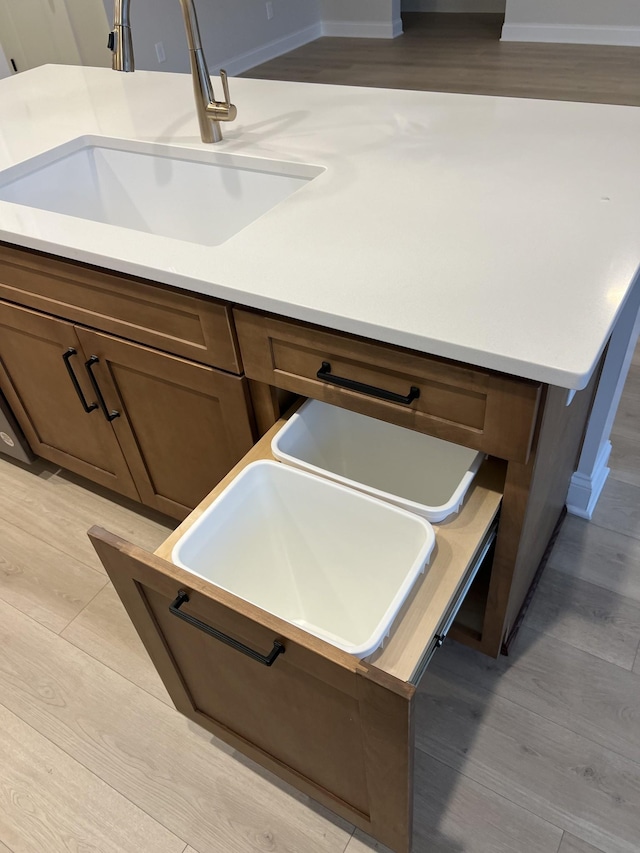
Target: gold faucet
[{"x": 210, "y": 112}]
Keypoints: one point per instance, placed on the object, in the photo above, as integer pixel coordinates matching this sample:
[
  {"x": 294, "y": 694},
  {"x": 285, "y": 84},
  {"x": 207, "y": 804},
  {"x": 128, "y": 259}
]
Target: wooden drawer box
[
  {"x": 487, "y": 411},
  {"x": 192, "y": 326},
  {"x": 337, "y": 728}
]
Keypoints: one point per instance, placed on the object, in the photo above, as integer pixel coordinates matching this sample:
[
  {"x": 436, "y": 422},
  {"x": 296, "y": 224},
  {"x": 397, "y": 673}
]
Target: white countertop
[{"x": 496, "y": 231}]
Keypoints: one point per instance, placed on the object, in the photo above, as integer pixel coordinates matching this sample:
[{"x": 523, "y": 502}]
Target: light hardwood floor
[{"x": 535, "y": 753}]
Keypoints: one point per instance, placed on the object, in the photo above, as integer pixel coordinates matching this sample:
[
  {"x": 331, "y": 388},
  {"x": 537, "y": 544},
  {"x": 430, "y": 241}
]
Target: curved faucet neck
[
  {"x": 191, "y": 24},
  {"x": 210, "y": 112}
]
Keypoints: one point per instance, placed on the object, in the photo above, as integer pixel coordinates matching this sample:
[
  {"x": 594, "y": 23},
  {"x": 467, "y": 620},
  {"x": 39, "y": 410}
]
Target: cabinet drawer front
[
  {"x": 470, "y": 406},
  {"x": 192, "y": 326},
  {"x": 334, "y": 727}
]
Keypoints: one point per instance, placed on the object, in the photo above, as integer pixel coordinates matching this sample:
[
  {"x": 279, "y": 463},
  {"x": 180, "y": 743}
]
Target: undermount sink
[{"x": 182, "y": 193}]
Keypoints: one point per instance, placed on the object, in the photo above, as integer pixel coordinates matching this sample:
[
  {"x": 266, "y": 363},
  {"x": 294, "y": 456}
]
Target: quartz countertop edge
[{"x": 499, "y": 232}]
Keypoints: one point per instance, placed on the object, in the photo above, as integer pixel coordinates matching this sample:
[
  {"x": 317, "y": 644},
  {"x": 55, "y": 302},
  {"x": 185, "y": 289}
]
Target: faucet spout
[{"x": 210, "y": 111}]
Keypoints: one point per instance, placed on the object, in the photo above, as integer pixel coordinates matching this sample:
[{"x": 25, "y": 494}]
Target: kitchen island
[
  {"x": 494, "y": 231},
  {"x": 483, "y": 248}
]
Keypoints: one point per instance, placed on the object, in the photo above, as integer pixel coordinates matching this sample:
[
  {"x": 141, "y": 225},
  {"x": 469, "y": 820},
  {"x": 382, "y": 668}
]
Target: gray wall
[
  {"x": 361, "y": 18},
  {"x": 237, "y": 35},
  {"x": 576, "y": 21},
  {"x": 230, "y": 29},
  {"x": 72, "y": 32},
  {"x": 621, "y": 13},
  {"x": 89, "y": 25},
  {"x": 5, "y": 71}
]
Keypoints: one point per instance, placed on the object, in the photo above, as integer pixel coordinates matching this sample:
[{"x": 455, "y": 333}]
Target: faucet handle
[
  {"x": 222, "y": 110},
  {"x": 225, "y": 86}
]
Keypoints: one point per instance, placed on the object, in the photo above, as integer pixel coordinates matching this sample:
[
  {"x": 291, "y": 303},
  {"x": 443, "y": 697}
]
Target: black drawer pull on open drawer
[
  {"x": 325, "y": 374},
  {"x": 267, "y": 660}
]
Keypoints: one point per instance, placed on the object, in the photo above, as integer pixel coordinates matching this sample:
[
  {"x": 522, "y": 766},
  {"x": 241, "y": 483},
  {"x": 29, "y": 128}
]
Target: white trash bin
[
  {"x": 319, "y": 555},
  {"x": 417, "y": 472}
]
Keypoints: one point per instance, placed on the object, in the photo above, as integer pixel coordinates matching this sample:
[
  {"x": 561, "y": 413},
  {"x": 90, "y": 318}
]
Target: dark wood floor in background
[{"x": 463, "y": 53}]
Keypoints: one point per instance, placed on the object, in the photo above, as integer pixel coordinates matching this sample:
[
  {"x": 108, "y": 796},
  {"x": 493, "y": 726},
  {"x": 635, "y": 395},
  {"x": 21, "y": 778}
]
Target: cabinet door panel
[
  {"x": 35, "y": 380},
  {"x": 336, "y": 728},
  {"x": 183, "y": 425}
]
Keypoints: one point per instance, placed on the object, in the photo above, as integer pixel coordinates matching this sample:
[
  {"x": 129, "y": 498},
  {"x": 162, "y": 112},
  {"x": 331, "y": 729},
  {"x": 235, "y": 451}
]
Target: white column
[{"x": 588, "y": 481}]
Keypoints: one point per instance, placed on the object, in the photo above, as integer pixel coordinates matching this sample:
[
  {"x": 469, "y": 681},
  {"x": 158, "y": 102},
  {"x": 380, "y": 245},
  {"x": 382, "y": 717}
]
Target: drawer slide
[{"x": 451, "y": 614}]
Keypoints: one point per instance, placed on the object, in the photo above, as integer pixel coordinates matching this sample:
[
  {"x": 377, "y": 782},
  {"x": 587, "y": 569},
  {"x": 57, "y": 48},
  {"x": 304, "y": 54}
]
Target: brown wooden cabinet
[
  {"x": 337, "y": 728},
  {"x": 38, "y": 385},
  {"x": 162, "y": 427}
]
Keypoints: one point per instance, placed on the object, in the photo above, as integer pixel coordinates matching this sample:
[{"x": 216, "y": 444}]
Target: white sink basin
[{"x": 187, "y": 194}]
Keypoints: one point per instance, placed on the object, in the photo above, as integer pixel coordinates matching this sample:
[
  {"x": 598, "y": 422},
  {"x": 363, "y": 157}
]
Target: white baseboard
[
  {"x": 585, "y": 489},
  {"x": 569, "y": 34},
  {"x": 363, "y": 29},
  {"x": 248, "y": 60},
  {"x": 350, "y": 29},
  {"x": 493, "y": 6}
]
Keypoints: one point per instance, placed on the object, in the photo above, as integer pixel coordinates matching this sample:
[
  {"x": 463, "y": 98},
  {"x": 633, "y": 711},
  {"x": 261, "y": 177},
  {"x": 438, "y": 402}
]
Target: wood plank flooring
[
  {"x": 48, "y": 799},
  {"x": 570, "y": 844},
  {"x": 535, "y": 753},
  {"x": 463, "y": 53}
]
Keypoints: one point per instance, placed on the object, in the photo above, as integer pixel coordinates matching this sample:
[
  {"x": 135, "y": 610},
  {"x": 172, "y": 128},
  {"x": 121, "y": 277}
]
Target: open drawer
[{"x": 337, "y": 728}]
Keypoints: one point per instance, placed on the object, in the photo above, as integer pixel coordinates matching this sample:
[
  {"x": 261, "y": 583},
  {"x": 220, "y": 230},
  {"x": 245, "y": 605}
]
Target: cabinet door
[
  {"x": 39, "y": 387},
  {"x": 183, "y": 425}
]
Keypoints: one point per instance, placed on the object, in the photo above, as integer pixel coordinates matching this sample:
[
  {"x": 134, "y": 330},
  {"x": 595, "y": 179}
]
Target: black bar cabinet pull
[
  {"x": 342, "y": 382},
  {"x": 66, "y": 357},
  {"x": 267, "y": 660},
  {"x": 110, "y": 416}
]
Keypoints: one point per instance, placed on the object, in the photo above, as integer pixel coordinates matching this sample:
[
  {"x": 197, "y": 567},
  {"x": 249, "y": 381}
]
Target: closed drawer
[
  {"x": 489, "y": 412},
  {"x": 337, "y": 728},
  {"x": 192, "y": 326}
]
